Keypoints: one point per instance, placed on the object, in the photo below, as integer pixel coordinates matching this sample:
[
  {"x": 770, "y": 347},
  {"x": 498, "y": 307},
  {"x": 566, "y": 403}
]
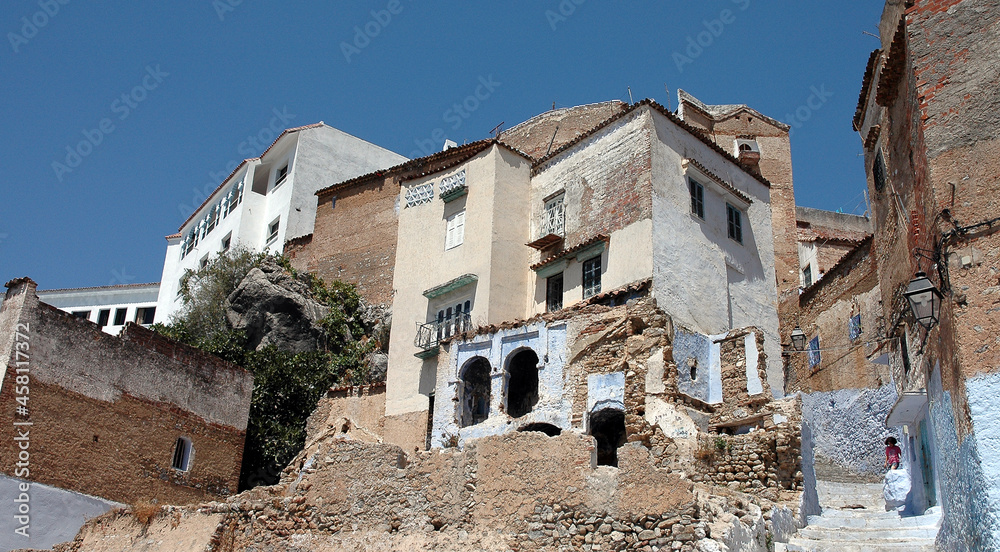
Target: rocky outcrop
[{"x": 275, "y": 308}]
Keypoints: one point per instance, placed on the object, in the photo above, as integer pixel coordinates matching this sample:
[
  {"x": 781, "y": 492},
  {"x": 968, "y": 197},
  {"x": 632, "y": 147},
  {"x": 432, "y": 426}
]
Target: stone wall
[{"x": 106, "y": 411}]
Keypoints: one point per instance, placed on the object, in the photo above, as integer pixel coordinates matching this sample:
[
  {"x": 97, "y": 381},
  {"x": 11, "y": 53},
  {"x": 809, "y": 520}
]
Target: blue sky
[{"x": 168, "y": 96}]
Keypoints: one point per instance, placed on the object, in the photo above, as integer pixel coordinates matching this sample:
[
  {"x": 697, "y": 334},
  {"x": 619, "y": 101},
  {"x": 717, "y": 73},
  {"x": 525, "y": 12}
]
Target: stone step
[
  {"x": 866, "y": 534},
  {"x": 806, "y": 545},
  {"x": 873, "y": 522}
]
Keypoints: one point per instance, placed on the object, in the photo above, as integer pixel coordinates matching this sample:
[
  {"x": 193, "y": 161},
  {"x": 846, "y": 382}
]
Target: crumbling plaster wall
[
  {"x": 107, "y": 410},
  {"x": 705, "y": 280}
]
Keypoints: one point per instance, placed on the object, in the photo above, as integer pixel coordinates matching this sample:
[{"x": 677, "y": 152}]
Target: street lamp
[
  {"x": 925, "y": 300},
  {"x": 798, "y": 339}
]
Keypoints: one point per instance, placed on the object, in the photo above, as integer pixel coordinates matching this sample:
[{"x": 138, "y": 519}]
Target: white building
[
  {"x": 267, "y": 201},
  {"x": 497, "y": 236},
  {"x": 110, "y": 307}
]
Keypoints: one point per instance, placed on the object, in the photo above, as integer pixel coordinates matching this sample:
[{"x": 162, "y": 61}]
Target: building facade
[
  {"x": 110, "y": 307},
  {"x": 125, "y": 418},
  {"x": 266, "y": 201},
  {"x": 640, "y": 197}
]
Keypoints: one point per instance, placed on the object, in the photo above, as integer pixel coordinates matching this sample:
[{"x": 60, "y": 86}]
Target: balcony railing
[{"x": 429, "y": 335}]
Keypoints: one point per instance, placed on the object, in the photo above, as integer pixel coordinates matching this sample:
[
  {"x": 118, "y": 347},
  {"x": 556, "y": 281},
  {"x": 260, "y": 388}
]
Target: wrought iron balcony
[{"x": 429, "y": 335}]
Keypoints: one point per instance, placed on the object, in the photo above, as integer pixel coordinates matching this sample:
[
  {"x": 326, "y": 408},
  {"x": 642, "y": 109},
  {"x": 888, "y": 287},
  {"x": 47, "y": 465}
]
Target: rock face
[{"x": 274, "y": 308}]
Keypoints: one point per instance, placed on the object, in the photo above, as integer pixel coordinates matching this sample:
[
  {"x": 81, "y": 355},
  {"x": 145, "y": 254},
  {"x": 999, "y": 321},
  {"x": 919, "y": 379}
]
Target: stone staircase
[{"x": 844, "y": 527}]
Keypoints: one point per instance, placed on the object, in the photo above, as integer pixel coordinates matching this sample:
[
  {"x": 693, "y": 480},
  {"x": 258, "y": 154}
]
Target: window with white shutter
[{"x": 456, "y": 230}]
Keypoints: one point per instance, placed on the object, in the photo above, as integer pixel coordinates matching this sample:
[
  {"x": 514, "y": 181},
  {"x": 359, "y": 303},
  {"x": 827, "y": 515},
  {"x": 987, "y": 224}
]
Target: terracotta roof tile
[
  {"x": 567, "y": 252},
  {"x": 866, "y": 84}
]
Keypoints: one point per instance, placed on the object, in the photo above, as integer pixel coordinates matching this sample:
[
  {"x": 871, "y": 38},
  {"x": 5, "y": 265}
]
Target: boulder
[{"x": 274, "y": 308}]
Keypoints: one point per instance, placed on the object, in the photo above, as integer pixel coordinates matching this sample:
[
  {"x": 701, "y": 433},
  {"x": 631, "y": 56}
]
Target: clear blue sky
[{"x": 211, "y": 74}]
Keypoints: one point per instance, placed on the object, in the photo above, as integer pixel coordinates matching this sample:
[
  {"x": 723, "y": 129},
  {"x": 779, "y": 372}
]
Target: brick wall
[
  {"x": 355, "y": 240},
  {"x": 106, "y": 411}
]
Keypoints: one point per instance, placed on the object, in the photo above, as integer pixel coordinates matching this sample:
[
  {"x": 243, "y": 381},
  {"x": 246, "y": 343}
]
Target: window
[
  {"x": 235, "y": 196},
  {"x": 333, "y": 202},
  {"x": 554, "y": 292},
  {"x": 419, "y": 194},
  {"x": 697, "y": 199},
  {"x": 456, "y": 230},
  {"x": 854, "y": 327},
  {"x": 878, "y": 171},
  {"x": 592, "y": 277},
  {"x": 203, "y": 262},
  {"x": 807, "y": 276},
  {"x": 82, "y": 314},
  {"x": 280, "y": 175},
  {"x": 735, "y": 219},
  {"x": 454, "y": 320},
  {"x": 814, "y": 353},
  {"x": 182, "y": 454},
  {"x": 103, "y": 316},
  {"x": 226, "y": 242},
  {"x": 272, "y": 230},
  {"x": 554, "y": 221},
  {"x": 120, "y": 316},
  {"x": 213, "y": 219},
  {"x": 145, "y": 315}
]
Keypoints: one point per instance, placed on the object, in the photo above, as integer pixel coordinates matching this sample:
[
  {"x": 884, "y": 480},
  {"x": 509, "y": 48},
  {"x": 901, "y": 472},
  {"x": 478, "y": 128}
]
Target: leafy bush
[{"x": 287, "y": 386}]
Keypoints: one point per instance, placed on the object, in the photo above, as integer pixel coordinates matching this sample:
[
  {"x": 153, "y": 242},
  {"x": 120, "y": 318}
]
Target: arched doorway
[
  {"x": 475, "y": 392},
  {"x": 608, "y": 428},
  {"x": 522, "y": 383}
]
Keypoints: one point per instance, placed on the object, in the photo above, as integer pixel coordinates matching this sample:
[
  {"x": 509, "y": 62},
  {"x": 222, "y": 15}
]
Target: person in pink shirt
[{"x": 892, "y": 453}]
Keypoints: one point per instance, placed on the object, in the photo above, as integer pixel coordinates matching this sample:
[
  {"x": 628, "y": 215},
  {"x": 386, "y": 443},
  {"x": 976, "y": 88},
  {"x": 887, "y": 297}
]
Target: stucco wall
[
  {"x": 848, "y": 432},
  {"x": 106, "y": 411},
  {"x": 705, "y": 280}
]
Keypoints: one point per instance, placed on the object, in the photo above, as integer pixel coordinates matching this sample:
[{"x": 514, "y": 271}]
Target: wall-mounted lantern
[
  {"x": 924, "y": 299},
  {"x": 798, "y": 339}
]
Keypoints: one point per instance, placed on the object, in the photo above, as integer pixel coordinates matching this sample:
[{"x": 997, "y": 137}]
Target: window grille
[
  {"x": 554, "y": 221},
  {"x": 452, "y": 183},
  {"x": 554, "y": 292},
  {"x": 419, "y": 195},
  {"x": 592, "y": 277}
]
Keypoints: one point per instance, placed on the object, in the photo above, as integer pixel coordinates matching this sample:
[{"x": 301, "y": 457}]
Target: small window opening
[
  {"x": 522, "y": 387},
  {"x": 746, "y": 147},
  {"x": 807, "y": 276},
  {"x": 697, "y": 199},
  {"x": 554, "y": 293},
  {"x": 735, "y": 219},
  {"x": 879, "y": 172},
  {"x": 82, "y": 314},
  {"x": 476, "y": 392},
  {"x": 280, "y": 175},
  {"x": 592, "y": 277},
  {"x": 694, "y": 369},
  {"x": 608, "y": 428},
  {"x": 272, "y": 230},
  {"x": 103, "y": 317},
  {"x": 226, "y": 242},
  {"x": 541, "y": 427},
  {"x": 182, "y": 454},
  {"x": 145, "y": 315},
  {"x": 96, "y": 438},
  {"x": 120, "y": 316}
]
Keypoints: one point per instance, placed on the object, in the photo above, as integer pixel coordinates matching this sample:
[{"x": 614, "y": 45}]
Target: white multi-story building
[
  {"x": 110, "y": 307},
  {"x": 266, "y": 201}
]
